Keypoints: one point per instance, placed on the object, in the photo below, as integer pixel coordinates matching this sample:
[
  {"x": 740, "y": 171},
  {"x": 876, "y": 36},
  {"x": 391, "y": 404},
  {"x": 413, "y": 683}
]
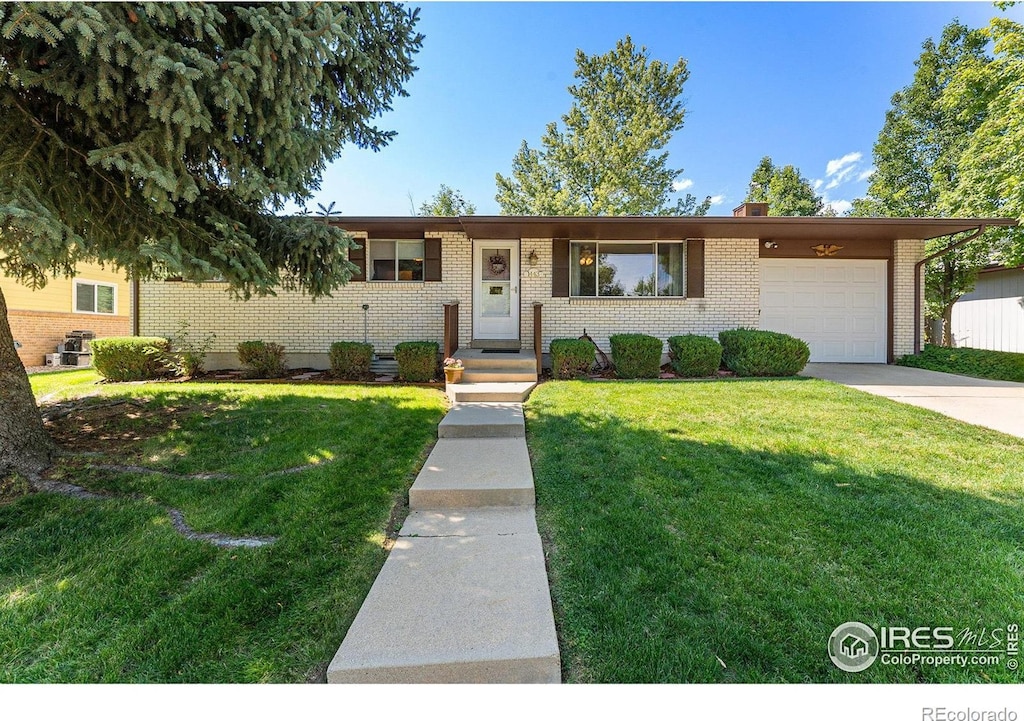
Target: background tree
[
  {"x": 784, "y": 189},
  {"x": 447, "y": 202},
  {"x": 610, "y": 157},
  {"x": 989, "y": 96},
  {"x": 159, "y": 137},
  {"x": 919, "y": 156}
]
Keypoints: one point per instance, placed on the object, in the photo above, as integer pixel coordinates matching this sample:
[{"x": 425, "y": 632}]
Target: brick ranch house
[{"x": 845, "y": 285}]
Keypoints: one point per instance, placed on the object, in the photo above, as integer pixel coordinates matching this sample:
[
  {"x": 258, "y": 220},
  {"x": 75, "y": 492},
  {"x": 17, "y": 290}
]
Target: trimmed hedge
[
  {"x": 571, "y": 357},
  {"x": 417, "y": 360},
  {"x": 974, "y": 362},
  {"x": 350, "y": 360},
  {"x": 262, "y": 360},
  {"x": 694, "y": 356},
  {"x": 759, "y": 353},
  {"x": 129, "y": 358},
  {"x": 636, "y": 355}
]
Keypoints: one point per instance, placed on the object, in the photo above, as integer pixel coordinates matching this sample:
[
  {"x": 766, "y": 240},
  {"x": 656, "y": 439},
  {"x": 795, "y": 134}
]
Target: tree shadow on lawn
[
  {"x": 678, "y": 561},
  {"x": 107, "y": 591}
]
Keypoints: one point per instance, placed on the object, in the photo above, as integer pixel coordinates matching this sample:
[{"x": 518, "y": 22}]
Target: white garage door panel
[{"x": 837, "y": 306}]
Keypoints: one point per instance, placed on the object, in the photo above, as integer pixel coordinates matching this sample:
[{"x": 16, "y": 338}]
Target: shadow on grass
[
  {"x": 106, "y": 591},
  {"x": 674, "y": 560}
]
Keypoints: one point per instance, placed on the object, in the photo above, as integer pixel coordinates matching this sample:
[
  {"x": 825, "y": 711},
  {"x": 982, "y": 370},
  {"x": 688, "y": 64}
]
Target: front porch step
[
  {"x": 497, "y": 344},
  {"x": 491, "y": 375},
  {"x": 483, "y": 420},
  {"x": 472, "y": 473},
  {"x": 473, "y": 359},
  {"x": 490, "y": 392},
  {"x": 462, "y": 598}
]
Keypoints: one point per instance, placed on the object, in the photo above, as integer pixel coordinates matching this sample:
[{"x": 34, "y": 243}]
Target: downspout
[
  {"x": 917, "y": 279},
  {"x": 135, "y": 305}
]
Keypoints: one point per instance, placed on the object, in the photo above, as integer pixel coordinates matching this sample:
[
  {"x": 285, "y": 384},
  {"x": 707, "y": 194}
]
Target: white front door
[
  {"x": 496, "y": 289},
  {"x": 837, "y": 306}
]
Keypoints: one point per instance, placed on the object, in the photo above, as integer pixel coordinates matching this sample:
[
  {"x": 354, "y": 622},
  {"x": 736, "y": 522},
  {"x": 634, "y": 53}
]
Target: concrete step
[
  {"x": 491, "y": 375},
  {"x": 490, "y": 392},
  {"x": 483, "y": 420},
  {"x": 474, "y": 472},
  {"x": 462, "y": 598},
  {"x": 476, "y": 359}
]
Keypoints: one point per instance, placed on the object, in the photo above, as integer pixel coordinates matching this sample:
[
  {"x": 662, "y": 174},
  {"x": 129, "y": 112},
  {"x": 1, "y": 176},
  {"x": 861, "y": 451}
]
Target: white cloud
[
  {"x": 817, "y": 184},
  {"x": 717, "y": 199},
  {"x": 835, "y": 166},
  {"x": 839, "y": 206},
  {"x": 865, "y": 175},
  {"x": 683, "y": 184}
]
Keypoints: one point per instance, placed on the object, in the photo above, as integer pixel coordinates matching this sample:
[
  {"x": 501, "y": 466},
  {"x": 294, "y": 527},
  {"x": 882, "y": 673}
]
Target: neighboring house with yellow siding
[{"x": 96, "y": 299}]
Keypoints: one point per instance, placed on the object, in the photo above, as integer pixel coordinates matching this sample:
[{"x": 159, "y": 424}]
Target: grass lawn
[
  {"x": 52, "y": 386},
  {"x": 703, "y": 532},
  {"x": 108, "y": 591}
]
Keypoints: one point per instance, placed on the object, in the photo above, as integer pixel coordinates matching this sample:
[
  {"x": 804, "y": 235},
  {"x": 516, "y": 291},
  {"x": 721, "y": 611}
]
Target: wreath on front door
[{"x": 498, "y": 264}]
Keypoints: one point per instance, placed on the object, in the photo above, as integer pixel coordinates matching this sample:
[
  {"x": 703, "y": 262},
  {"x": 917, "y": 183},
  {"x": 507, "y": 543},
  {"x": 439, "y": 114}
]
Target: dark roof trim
[{"x": 670, "y": 228}]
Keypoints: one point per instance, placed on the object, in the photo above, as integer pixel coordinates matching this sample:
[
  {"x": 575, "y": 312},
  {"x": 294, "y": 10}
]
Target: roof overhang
[{"x": 670, "y": 228}]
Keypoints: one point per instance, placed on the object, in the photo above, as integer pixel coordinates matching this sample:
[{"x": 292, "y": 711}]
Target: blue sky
[{"x": 806, "y": 83}]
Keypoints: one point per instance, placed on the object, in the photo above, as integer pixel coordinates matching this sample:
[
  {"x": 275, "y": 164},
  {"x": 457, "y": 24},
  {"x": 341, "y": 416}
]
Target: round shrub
[
  {"x": 749, "y": 352},
  {"x": 571, "y": 357},
  {"x": 129, "y": 358},
  {"x": 694, "y": 356},
  {"x": 351, "y": 360},
  {"x": 417, "y": 360},
  {"x": 636, "y": 355},
  {"x": 262, "y": 360}
]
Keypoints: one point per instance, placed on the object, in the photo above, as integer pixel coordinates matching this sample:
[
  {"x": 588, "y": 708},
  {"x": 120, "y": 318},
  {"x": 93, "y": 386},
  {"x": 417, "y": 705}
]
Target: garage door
[{"x": 837, "y": 306}]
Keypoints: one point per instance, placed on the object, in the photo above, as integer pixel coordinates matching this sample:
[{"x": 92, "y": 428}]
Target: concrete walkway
[
  {"x": 998, "y": 405},
  {"x": 463, "y": 596}
]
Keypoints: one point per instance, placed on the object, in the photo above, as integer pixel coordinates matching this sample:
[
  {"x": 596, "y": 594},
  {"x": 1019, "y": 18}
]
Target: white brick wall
[
  {"x": 905, "y": 254},
  {"x": 401, "y": 311}
]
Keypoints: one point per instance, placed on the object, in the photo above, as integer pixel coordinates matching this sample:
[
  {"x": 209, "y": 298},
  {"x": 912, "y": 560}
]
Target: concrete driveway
[{"x": 994, "y": 404}]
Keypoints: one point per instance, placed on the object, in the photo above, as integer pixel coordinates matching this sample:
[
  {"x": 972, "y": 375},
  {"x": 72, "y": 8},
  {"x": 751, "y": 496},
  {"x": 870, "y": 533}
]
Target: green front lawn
[
  {"x": 720, "y": 531},
  {"x": 52, "y": 386},
  {"x": 108, "y": 591}
]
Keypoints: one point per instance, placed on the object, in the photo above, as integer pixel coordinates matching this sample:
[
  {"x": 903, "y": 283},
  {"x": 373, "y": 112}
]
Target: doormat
[{"x": 499, "y": 350}]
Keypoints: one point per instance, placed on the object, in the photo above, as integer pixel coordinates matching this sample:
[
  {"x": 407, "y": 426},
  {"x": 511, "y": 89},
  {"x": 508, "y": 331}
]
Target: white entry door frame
[{"x": 496, "y": 290}]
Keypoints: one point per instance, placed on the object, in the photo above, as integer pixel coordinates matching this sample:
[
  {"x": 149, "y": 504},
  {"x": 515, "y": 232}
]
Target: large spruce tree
[{"x": 159, "y": 138}]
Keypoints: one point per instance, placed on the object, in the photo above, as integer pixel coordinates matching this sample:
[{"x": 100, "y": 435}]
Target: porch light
[
  {"x": 586, "y": 257},
  {"x": 532, "y": 257}
]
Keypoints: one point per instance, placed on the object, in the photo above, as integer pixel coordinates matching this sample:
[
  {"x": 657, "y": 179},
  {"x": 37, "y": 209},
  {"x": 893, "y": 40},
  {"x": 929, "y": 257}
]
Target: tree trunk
[
  {"x": 947, "y": 326},
  {"x": 25, "y": 446}
]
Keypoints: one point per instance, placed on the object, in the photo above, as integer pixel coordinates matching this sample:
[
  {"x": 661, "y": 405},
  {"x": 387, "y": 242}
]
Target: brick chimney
[{"x": 751, "y": 210}]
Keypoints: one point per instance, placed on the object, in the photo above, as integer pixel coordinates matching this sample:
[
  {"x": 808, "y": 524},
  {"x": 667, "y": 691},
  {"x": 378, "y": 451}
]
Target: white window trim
[
  {"x": 629, "y": 298},
  {"x": 95, "y": 284},
  {"x": 395, "y": 241}
]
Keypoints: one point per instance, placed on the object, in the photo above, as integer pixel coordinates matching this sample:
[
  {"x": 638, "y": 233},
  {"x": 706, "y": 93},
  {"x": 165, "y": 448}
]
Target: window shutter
[
  {"x": 560, "y": 268},
  {"x": 695, "y": 269},
  {"x": 358, "y": 257},
  {"x": 432, "y": 259}
]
